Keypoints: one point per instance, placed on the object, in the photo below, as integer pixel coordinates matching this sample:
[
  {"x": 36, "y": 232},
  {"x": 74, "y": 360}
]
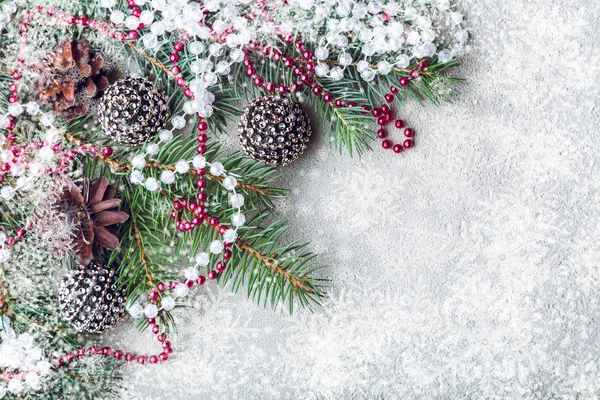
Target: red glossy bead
[
  {"x": 181, "y": 82},
  {"x": 107, "y": 151},
  {"x": 386, "y": 144},
  {"x": 174, "y": 57},
  {"x": 212, "y": 275},
  {"x": 202, "y": 126},
  {"x": 201, "y": 196},
  {"x": 81, "y": 352},
  {"x": 153, "y": 359},
  {"x": 163, "y": 356},
  {"x": 136, "y": 12},
  {"x": 352, "y": 104},
  {"x": 389, "y": 98},
  {"x": 408, "y": 143},
  {"x": 188, "y": 93},
  {"x": 288, "y": 62},
  {"x": 141, "y": 360},
  {"x": 153, "y": 295},
  {"x": 317, "y": 89},
  {"x": 248, "y": 62},
  {"x": 202, "y": 138},
  {"x": 118, "y": 354},
  {"x": 423, "y": 65},
  {"x": 221, "y": 266},
  {"x": 393, "y": 90},
  {"x": 106, "y": 351},
  {"x": 377, "y": 112},
  {"x": 250, "y": 71},
  {"x": 130, "y": 357},
  {"x": 213, "y": 221},
  {"x": 132, "y": 35},
  {"x": 414, "y": 74},
  {"x": 12, "y": 99},
  {"x": 270, "y": 87},
  {"x": 201, "y": 149},
  {"x": 382, "y": 133},
  {"x": 282, "y": 89},
  {"x": 131, "y": 3},
  {"x": 201, "y": 280},
  {"x": 16, "y": 75},
  {"x": 397, "y": 148},
  {"x": 13, "y": 87},
  {"x": 155, "y": 329},
  {"x": 69, "y": 357},
  {"x": 409, "y": 133},
  {"x": 296, "y": 86},
  {"x": 175, "y": 70},
  {"x": 307, "y": 54},
  {"x": 382, "y": 120},
  {"x": 400, "y": 124},
  {"x": 178, "y": 46},
  {"x": 189, "y": 283},
  {"x": 151, "y": 321},
  {"x": 227, "y": 254},
  {"x": 339, "y": 102},
  {"x": 328, "y": 97},
  {"x": 404, "y": 81},
  {"x": 259, "y": 81},
  {"x": 161, "y": 287},
  {"x": 177, "y": 205},
  {"x": 310, "y": 66}
]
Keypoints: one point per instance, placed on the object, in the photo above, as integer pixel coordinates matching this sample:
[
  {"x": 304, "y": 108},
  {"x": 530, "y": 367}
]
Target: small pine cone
[
  {"x": 132, "y": 111},
  {"x": 274, "y": 130},
  {"x": 72, "y": 77},
  {"x": 90, "y": 299},
  {"x": 3, "y": 296}
]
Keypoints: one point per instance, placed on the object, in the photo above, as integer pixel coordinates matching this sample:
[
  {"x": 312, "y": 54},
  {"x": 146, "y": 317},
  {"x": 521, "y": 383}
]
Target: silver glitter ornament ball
[
  {"x": 274, "y": 130},
  {"x": 133, "y": 110},
  {"x": 89, "y": 298}
]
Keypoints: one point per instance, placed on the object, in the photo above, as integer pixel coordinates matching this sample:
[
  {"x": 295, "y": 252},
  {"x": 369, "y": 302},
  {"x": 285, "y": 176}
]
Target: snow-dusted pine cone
[
  {"x": 90, "y": 299},
  {"x": 93, "y": 208},
  {"x": 274, "y": 130},
  {"x": 132, "y": 111},
  {"x": 71, "y": 77}
]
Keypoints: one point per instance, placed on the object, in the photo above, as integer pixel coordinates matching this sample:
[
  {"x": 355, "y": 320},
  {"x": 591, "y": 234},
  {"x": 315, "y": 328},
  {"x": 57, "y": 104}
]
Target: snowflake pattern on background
[{"x": 476, "y": 275}]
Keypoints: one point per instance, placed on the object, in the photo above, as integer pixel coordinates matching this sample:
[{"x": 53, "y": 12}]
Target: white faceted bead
[
  {"x": 362, "y": 65},
  {"x": 178, "y": 122},
  {"x": 191, "y": 273},
  {"x": 321, "y": 53},
  {"x": 181, "y": 290},
  {"x": 216, "y": 247},
  {"x": 345, "y": 59},
  {"x": 413, "y": 38},
  {"x": 167, "y": 177},
  {"x": 117, "y": 17},
  {"x": 15, "y": 109},
  {"x": 152, "y": 148},
  {"x": 238, "y": 219},
  {"x": 4, "y": 122},
  {"x": 196, "y": 47},
  {"x": 230, "y": 236},
  {"x": 223, "y": 67},
  {"x": 150, "y": 311},
  {"x": 229, "y": 183},
  {"x": 182, "y": 167},
  {"x": 159, "y": 4},
  {"x": 215, "y": 49},
  {"x": 150, "y": 40},
  {"x": 359, "y": 10},
  {"x": 47, "y": 119},
  {"x": 461, "y": 36},
  {"x": 402, "y": 61},
  {"x": 199, "y": 162},
  {"x": 336, "y": 73},
  {"x": 136, "y": 311},
  {"x": 2, "y": 237},
  {"x": 368, "y": 74},
  {"x": 456, "y": 18},
  {"x": 32, "y": 108},
  {"x": 151, "y": 184},
  {"x": 4, "y": 254},
  {"x": 136, "y": 177},
  {"x": 10, "y": 7},
  {"x": 168, "y": 303},
  {"x": 202, "y": 259},
  {"x": 322, "y": 69},
  {"x": 138, "y": 162},
  {"x": 132, "y": 22},
  {"x": 384, "y": 67},
  {"x": 165, "y": 136},
  {"x": 7, "y": 193},
  {"x": 445, "y": 56},
  {"x": 236, "y": 200},
  {"x": 374, "y": 7},
  {"x": 217, "y": 169},
  {"x": 147, "y": 17},
  {"x": 236, "y": 55}
]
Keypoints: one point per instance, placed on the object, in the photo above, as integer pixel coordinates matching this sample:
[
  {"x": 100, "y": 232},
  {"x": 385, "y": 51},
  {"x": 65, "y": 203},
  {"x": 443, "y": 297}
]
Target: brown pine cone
[
  {"x": 72, "y": 77},
  {"x": 93, "y": 209},
  {"x": 3, "y": 296}
]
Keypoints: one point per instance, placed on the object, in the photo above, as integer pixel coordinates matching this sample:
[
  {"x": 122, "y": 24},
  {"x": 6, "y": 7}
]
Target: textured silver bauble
[
  {"x": 90, "y": 299},
  {"x": 274, "y": 130},
  {"x": 133, "y": 110}
]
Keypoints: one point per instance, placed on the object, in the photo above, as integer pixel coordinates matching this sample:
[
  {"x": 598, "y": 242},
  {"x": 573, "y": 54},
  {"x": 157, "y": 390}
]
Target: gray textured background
[{"x": 464, "y": 268}]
